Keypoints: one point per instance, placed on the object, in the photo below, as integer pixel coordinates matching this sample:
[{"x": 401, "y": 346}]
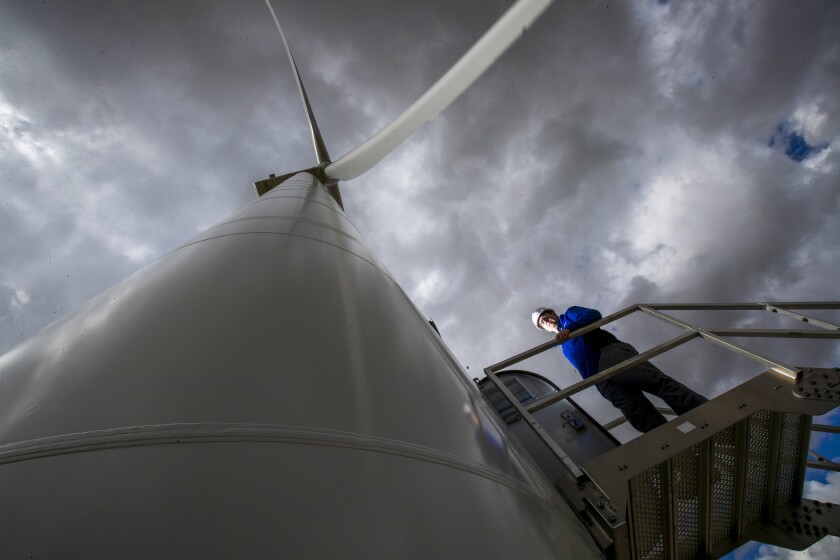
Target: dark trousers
[{"x": 624, "y": 390}]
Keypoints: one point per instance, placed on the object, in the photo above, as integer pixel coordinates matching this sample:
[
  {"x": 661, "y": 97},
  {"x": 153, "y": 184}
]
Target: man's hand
[{"x": 563, "y": 335}]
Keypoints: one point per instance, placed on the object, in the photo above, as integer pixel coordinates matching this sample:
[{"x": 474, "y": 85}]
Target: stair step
[{"x": 704, "y": 497}]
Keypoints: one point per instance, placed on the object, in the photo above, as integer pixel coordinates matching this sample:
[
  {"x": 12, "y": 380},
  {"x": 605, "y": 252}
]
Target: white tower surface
[{"x": 265, "y": 390}]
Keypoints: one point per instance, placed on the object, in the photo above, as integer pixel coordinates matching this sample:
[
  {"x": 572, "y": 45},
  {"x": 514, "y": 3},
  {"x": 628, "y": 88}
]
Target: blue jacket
[{"x": 584, "y": 352}]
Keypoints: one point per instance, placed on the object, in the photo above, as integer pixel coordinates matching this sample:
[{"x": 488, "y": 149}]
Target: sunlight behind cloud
[
  {"x": 18, "y": 135},
  {"x": 696, "y": 187},
  {"x": 427, "y": 287}
]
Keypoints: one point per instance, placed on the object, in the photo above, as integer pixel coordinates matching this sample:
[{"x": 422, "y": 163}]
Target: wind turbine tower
[{"x": 268, "y": 390}]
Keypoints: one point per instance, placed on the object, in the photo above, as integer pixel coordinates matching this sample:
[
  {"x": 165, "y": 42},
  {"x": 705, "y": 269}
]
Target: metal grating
[
  {"x": 788, "y": 456},
  {"x": 722, "y": 483},
  {"x": 758, "y": 447},
  {"x": 647, "y": 515},
  {"x": 685, "y": 478}
]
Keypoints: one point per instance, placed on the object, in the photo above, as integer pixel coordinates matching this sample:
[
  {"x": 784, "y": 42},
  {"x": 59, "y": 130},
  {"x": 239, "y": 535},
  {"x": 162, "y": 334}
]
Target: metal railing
[{"x": 715, "y": 336}]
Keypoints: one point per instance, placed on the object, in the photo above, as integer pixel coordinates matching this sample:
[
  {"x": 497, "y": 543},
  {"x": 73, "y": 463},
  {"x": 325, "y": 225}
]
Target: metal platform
[{"x": 730, "y": 471}]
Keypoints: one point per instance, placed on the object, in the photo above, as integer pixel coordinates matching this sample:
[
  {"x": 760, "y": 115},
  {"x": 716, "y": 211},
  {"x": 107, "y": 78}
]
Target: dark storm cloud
[
  {"x": 549, "y": 180},
  {"x": 747, "y": 65},
  {"x": 127, "y": 129},
  {"x": 614, "y": 155}
]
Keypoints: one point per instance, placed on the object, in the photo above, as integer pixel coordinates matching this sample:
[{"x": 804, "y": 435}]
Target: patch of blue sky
[
  {"x": 826, "y": 444},
  {"x": 823, "y": 443},
  {"x": 796, "y": 147},
  {"x": 748, "y": 551}
]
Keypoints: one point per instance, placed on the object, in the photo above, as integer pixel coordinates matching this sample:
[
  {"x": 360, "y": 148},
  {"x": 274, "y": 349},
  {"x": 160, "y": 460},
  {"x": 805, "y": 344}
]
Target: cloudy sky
[{"x": 620, "y": 152}]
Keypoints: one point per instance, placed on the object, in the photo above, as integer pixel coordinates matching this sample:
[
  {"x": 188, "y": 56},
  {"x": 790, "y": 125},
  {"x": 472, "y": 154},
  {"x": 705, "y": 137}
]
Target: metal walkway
[{"x": 730, "y": 471}]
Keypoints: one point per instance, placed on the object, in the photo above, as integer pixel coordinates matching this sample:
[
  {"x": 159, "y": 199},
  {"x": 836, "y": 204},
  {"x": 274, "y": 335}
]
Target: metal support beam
[
  {"x": 548, "y": 345},
  {"x": 823, "y": 463},
  {"x": 704, "y": 306},
  {"x": 829, "y": 466},
  {"x": 705, "y": 497},
  {"x": 574, "y": 470},
  {"x": 773, "y": 451},
  {"x": 799, "y": 317},
  {"x": 804, "y": 443},
  {"x": 523, "y": 356},
  {"x": 775, "y": 333},
  {"x": 552, "y": 398},
  {"x": 777, "y": 366},
  {"x": 669, "y": 535},
  {"x": 621, "y": 419},
  {"x": 825, "y": 428},
  {"x": 740, "y": 479},
  {"x": 742, "y": 306}
]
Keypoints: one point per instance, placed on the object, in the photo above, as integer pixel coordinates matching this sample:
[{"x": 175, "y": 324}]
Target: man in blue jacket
[{"x": 599, "y": 350}]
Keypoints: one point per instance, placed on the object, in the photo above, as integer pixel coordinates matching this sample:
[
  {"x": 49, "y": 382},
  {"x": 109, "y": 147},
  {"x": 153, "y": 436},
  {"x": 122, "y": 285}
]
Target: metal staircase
[{"x": 730, "y": 471}]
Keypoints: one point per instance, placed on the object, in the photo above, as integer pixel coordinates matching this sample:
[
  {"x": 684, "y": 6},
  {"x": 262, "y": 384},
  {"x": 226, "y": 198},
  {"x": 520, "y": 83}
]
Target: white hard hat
[{"x": 535, "y": 315}]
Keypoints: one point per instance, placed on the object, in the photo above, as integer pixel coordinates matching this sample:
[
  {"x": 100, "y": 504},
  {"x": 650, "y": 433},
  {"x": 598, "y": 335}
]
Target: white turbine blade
[
  {"x": 321, "y": 152},
  {"x": 484, "y": 53},
  {"x": 317, "y": 140}
]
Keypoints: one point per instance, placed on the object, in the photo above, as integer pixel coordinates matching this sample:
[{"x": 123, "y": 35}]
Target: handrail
[
  {"x": 716, "y": 336},
  {"x": 777, "y": 366},
  {"x": 743, "y": 306},
  {"x": 782, "y": 308},
  {"x": 552, "y": 398},
  {"x": 552, "y": 343}
]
